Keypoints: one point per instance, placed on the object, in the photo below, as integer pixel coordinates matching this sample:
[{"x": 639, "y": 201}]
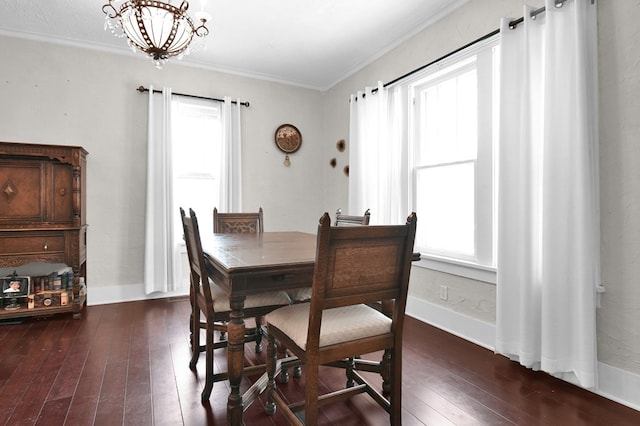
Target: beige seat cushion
[
  {"x": 338, "y": 325},
  {"x": 221, "y": 299},
  {"x": 300, "y": 294}
]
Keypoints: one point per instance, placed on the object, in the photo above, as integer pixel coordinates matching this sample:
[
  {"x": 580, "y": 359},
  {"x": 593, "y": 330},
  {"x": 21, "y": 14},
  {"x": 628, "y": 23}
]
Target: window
[
  {"x": 451, "y": 135},
  {"x": 197, "y": 146}
]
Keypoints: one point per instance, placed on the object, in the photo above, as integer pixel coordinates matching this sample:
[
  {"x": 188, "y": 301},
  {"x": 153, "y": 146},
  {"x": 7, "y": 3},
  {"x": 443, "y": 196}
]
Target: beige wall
[{"x": 619, "y": 67}]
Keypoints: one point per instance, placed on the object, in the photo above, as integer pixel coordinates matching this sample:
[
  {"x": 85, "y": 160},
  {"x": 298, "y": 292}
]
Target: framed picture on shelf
[{"x": 15, "y": 286}]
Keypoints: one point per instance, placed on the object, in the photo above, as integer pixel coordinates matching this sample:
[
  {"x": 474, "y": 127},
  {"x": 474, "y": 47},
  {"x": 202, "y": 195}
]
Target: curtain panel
[
  {"x": 231, "y": 164},
  {"x": 548, "y": 196},
  {"x": 159, "y": 274},
  {"x": 378, "y": 155}
]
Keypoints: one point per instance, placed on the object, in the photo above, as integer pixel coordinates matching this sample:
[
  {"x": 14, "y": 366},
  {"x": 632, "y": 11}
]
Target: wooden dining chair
[
  {"x": 211, "y": 302},
  {"x": 353, "y": 266},
  {"x": 238, "y": 223},
  {"x": 348, "y": 220}
]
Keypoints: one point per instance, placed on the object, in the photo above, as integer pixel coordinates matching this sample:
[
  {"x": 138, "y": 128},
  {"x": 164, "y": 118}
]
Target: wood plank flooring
[{"x": 127, "y": 364}]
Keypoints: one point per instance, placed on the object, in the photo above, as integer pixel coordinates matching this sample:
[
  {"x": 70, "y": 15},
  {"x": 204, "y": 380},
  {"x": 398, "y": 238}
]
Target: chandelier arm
[
  {"x": 202, "y": 30},
  {"x": 113, "y": 13}
]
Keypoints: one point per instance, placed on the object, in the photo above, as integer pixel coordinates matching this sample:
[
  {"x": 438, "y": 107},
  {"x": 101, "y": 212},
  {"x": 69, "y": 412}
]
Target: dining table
[{"x": 246, "y": 264}]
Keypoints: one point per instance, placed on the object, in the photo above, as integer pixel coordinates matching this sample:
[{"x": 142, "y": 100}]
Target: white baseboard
[
  {"x": 128, "y": 293},
  {"x": 476, "y": 331},
  {"x": 619, "y": 385},
  {"x": 613, "y": 383}
]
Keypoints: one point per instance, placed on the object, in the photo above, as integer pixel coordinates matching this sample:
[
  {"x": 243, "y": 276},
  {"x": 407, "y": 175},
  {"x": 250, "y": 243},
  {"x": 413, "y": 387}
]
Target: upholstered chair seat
[
  {"x": 221, "y": 299},
  {"x": 339, "y": 325}
]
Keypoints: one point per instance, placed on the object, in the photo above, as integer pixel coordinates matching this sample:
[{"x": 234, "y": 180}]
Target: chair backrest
[
  {"x": 361, "y": 264},
  {"x": 197, "y": 264},
  {"x": 238, "y": 223},
  {"x": 347, "y": 220}
]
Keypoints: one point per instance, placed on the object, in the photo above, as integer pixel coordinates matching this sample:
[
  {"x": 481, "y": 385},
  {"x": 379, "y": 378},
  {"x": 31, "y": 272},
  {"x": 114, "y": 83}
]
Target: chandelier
[{"x": 158, "y": 29}]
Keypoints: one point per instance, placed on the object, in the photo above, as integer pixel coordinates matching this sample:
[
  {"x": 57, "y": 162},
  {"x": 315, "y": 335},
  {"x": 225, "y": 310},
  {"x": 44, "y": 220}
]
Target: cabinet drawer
[{"x": 50, "y": 242}]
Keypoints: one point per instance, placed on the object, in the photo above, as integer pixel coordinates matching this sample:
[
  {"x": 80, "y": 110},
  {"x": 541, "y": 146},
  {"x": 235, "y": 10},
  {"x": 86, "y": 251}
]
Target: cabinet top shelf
[
  {"x": 64, "y": 153},
  {"x": 10, "y": 227}
]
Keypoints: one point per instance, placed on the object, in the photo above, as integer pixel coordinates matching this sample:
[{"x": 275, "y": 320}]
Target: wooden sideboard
[{"x": 43, "y": 214}]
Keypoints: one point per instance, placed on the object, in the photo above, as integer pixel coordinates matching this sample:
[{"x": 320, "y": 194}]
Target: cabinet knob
[{"x": 46, "y": 246}]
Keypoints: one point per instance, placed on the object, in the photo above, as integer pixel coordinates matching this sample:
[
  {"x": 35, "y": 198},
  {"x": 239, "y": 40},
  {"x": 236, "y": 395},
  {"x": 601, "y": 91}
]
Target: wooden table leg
[{"x": 235, "y": 360}]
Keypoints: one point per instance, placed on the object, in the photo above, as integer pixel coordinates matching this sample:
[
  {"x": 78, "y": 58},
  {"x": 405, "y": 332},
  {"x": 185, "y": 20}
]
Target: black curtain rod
[
  {"x": 484, "y": 37},
  {"x": 512, "y": 25},
  {"x": 534, "y": 13},
  {"x": 143, "y": 89}
]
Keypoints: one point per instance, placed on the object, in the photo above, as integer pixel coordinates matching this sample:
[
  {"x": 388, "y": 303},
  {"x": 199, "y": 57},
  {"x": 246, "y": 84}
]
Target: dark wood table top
[
  {"x": 253, "y": 263},
  {"x": 240, "y": 252}
]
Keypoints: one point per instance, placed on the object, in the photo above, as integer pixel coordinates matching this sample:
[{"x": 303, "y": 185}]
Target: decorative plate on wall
[{"x": 288, "y": 138}]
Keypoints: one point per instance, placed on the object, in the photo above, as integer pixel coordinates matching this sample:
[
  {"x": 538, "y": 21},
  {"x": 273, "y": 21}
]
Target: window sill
[{"x": 461, "y": 268}]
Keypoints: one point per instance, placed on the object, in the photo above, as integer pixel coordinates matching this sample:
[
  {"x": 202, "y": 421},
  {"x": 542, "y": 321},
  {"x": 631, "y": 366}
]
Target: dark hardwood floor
[{"x": 128, "y": 364}]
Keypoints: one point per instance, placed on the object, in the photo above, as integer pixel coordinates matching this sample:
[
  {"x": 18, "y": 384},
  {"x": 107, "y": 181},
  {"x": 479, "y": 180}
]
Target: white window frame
[
  {"x": 481, "y": 266},
  {"x": 205, "y": 214}
]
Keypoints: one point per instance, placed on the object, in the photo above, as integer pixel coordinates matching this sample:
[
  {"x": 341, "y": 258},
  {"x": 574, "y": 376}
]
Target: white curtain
[
  {"x": 231, "y": 164},
  {"x": 159, "y": 273},
  {"x": 548, "y": 212},
  {"x": 377, "y": 156}
]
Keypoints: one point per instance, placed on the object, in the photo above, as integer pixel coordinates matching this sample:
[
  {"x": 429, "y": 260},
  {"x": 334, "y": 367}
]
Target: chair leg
[
  {"x": 351, "y": 365},
  {"x": 311, "y": 394},
  {"x": 223, "y": 335},
  {"x": 396, "y": 387},
  {"x": 387, "y": 359},
  {"x": 297, "y": 371},
  {"x": 259, "y": 333},
  {"x": 195, "y": 336},
  {"x": 270, "y": 405},
  {"x": 208, "y": 381},
  {"x": 191, "y": 327},
  {"x": 284, "y": 372}
]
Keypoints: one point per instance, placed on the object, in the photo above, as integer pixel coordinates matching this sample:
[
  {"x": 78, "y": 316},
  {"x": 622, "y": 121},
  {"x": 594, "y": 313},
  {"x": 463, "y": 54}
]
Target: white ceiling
[{"x": 311, "y": 43}]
